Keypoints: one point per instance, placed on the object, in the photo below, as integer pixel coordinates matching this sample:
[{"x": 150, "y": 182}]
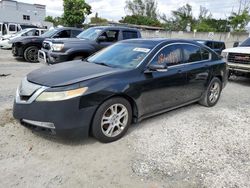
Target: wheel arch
[{"x": 131, "y": 101}]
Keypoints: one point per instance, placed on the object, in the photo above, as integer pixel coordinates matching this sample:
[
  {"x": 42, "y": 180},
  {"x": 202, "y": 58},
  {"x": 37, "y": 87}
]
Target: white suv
[{"x": 238, "y": 58}]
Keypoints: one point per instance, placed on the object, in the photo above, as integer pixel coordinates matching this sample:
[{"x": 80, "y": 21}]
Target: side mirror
[
  {"x": 236, "y": 44},
  {"x": 102, "y": 39},
  {"x": 157, "y": 67}
]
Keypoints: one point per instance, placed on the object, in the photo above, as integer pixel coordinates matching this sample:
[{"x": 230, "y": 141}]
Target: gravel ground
[{"x": 189, "y": 147}]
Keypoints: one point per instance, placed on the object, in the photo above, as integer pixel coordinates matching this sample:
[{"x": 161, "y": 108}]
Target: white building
[{"x": 22, "y": 13}]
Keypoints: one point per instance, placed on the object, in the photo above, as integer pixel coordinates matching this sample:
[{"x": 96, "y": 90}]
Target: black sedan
[{"x": 122, "y": 84}]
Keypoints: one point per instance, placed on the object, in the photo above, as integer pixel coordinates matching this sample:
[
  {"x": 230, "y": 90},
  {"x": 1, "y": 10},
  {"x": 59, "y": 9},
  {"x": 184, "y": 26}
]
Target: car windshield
[
  {"x": 201, "y": 41},
  {"x": 91, "y": 33},
  {"x": 245, "y": 43},
  {"x": 22, "y": 31},
  {"x": 49, "y": 33},
  {"x": 122, "y": 55}
]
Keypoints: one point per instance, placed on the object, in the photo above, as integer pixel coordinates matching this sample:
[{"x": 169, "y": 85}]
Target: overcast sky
[{"x": 114, "y": 9}]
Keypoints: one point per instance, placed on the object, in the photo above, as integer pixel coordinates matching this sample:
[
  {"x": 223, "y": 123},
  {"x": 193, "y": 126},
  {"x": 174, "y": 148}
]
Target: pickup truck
[
  {"x": 27, "y": 47},
  {"x": 238, "y": 59},
  {"x": 85, "y": 44}
]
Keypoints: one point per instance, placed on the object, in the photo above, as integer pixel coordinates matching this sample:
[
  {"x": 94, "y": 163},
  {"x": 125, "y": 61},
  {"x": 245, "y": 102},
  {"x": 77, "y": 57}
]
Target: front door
[
  {"x": 108, "y": 38},
  {"x": 162, "y": 90}
]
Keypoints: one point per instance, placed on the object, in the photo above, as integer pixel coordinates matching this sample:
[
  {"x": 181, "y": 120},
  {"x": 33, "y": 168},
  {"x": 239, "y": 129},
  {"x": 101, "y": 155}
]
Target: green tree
[
  {"x": 238, "y": 22},
  {"x": 56, "y": 21},
  {"x": 146, "y": 8},
  {"x": 98, "y": 20},
  {"x": 144, "y": 12},
  {"x": 75, "y": 12},
  {"x": 141, "y": 20},
  {"x": 183, "y": 16}
]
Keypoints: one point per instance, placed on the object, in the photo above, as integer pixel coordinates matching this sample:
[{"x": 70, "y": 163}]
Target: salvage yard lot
[{"x": 193, "y": 146}]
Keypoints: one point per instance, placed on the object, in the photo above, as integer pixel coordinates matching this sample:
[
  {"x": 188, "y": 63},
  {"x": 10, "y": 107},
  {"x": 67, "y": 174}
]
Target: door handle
[{"x": 179, "y": 71}]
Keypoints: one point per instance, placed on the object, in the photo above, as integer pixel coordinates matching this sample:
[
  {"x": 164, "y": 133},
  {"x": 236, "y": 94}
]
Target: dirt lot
[{"x": 190, "y": 147}]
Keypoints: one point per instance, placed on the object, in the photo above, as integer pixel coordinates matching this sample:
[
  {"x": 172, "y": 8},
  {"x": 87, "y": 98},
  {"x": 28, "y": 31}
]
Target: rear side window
[
  {"x": 74, "y": 33},
  {"x": 191, "y": 53},
  {"x": 205, "y": 55},
  {"x": 170, "y": 55},
  {"x": 129, "y": 35}
]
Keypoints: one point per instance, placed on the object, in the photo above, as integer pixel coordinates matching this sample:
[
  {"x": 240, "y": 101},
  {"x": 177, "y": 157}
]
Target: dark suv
[
  {"x": 217, "y": 46},
  {"x": 85, "y": 44},
  {"x": 27, "y": 47}
]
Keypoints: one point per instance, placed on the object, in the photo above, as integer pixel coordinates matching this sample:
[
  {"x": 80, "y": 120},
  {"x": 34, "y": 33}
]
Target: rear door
[{"x": 197, "y": 61}]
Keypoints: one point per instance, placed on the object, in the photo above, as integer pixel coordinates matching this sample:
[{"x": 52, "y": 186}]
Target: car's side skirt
[{"x": 166, "y": 110}]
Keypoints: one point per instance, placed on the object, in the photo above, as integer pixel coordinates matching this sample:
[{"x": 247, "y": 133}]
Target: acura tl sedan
[{"x": 122, "y": 84}]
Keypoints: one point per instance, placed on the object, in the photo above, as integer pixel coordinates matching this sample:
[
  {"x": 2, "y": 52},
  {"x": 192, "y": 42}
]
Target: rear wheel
[
  {"x": 112, "y": 120},
  {"x": 212, "y": 94},
  {"x": 31, "y": 54}
]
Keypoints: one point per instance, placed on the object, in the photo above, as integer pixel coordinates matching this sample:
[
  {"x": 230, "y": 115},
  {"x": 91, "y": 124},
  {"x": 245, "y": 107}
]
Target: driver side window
[
  {"x": 170, "y": 55},
  {"x": 111, "y": 35},
  {"x": 63, "y": 34}
]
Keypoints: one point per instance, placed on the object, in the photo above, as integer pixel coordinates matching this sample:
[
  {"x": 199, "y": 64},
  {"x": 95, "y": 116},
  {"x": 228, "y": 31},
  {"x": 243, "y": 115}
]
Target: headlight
[
  {"x": 224, "y": 56},
  {"x": 61, "y": 95},
  {"x": 57, "y": 47}
]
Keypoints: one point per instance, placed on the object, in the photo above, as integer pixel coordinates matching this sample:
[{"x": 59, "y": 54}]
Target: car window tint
[
  {"x": 63, "y": 34},
  {"x": 170, "y": 55},
  {"x": 12, "y": 28},
  {"x": 74, "y": 33},
  {"x": 191, "y": 53},
  {"x": 210, "y": 44},
  {"x": 129, "y": 34},
  {"x": 205, "y": 55},
  {"x": 111, "y": 35},
  {"x": 217, "y": 45}
]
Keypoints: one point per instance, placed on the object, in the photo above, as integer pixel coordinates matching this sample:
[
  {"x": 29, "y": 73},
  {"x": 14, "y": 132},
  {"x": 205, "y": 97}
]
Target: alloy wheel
[{"x": 114, "y": 120}]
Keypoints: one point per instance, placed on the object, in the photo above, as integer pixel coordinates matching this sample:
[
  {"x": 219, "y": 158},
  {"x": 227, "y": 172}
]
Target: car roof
[
  {"x": 71, "y": 28},
  {"x": 157, "y": 41},
  {"x": 209, "y": 40},
  {"x": 115, "y": 27}
]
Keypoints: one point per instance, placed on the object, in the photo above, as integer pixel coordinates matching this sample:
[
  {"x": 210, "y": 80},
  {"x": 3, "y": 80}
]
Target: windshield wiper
[{"x": 101, "y": 63}]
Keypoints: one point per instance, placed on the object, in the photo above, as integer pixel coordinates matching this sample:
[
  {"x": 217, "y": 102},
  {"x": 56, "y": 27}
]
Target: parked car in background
[
  {"x": 217, "y": 46},
  {"x": 124, "y": 83},
  {"x": 86, "y": 43},
  {"x": 238, "y": 59},
  {"x": 27, "y": 47},
  {"x": 5, "y": 40}
]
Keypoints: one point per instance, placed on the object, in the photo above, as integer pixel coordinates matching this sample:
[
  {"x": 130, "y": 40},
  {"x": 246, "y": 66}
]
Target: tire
[
  {"x": 31, "y": 54},
  {"x": 106, "y": 122},
  {"x": 212, "y": 94}
]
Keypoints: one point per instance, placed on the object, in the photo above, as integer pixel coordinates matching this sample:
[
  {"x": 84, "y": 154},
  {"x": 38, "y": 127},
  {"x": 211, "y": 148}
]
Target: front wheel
[
  {"x": 31, "y": 54},
  {"x": 112, "y": 120},
  {"x": 212, "y": 94}
]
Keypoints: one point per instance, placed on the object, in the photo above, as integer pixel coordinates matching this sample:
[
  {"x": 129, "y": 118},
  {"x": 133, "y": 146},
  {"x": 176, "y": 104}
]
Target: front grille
[
  {"x": 239, "y": 58},
  {"x": 46, "y": 45}
]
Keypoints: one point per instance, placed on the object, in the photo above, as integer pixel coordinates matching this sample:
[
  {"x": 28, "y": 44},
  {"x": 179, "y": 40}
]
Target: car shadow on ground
[{"x": 240, "y": 80}]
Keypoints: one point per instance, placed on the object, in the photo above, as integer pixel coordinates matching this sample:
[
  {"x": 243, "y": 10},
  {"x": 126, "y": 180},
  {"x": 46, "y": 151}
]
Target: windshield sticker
[{"x": 144, "y": 50}]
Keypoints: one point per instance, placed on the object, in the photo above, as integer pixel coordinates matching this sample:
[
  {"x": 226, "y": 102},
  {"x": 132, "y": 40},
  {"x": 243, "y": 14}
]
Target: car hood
[
  {"x": 244, "y": 50},
  {"x": 20, "y": 39},
  {"x": 69, "y": 40},
  {"x": 68, "y": 73}
]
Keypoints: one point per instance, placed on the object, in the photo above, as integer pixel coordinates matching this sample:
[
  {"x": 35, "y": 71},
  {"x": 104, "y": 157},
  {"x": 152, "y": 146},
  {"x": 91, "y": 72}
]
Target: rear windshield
[{"x": 246, "y": 43}]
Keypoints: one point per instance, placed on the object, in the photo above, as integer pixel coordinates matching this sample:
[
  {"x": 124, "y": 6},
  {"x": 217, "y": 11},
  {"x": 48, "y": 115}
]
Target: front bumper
[
  {"x": 17, "y": 51},
  {"x": 61, "y": 118},
  {"x": 49, "y": 57},
  {"x": 5, "y": 44},
  {"x": 237, "y": 67}
]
